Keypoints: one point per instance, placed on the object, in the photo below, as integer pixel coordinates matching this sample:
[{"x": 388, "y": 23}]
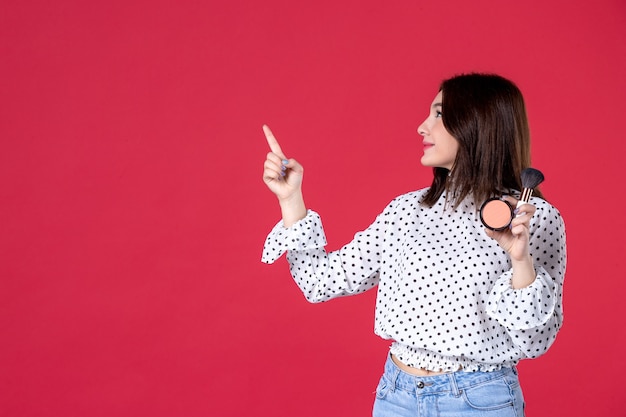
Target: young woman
[{"x": 462, "y": 304}]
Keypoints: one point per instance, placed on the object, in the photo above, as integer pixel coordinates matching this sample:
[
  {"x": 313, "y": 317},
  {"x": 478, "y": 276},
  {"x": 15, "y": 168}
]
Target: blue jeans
[{"x": 485, "y": 394}]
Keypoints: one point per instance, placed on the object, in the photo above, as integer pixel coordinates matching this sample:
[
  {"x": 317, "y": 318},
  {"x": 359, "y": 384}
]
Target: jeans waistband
[{"x": 450, "y": 382}]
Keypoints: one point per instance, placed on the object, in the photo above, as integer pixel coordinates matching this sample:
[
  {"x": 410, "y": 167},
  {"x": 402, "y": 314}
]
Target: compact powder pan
[{"x": 496, "y": 214}]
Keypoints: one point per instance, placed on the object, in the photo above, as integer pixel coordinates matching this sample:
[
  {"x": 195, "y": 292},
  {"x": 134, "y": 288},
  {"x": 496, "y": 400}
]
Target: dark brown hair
[{"x": 486, "y": 114}]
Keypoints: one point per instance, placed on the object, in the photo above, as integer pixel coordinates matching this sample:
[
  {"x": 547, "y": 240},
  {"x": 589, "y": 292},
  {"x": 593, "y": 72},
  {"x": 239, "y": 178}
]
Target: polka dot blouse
[{"x": 444, "y": 287}]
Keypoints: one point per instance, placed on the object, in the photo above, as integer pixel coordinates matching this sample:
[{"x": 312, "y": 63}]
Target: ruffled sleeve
[
  {"x": 304, "y": 234},
  {"x": 523, "y": 308}
]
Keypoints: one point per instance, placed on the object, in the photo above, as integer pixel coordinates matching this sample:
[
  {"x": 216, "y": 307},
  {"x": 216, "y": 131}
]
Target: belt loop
[
  {"x": 453, "y": 385},
  {"x": 392, "y": 371},
  {"x": 394, "y": 378}
]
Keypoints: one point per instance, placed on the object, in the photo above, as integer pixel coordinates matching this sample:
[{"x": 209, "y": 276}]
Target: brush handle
[{"x": 524, "y": 199}]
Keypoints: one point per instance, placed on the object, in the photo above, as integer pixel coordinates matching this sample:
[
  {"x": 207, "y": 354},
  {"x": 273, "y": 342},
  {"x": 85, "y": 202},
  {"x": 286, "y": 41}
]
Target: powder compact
[{"x": 496, "y": 214}]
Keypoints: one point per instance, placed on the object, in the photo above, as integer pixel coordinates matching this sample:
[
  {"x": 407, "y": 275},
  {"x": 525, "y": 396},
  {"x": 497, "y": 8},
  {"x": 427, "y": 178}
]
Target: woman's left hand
[{"x": 515, "y": 239}]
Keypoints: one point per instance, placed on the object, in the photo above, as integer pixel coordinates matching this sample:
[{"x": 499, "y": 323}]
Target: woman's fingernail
[
  {"x": 282, "y": 174},
  {"x": 285, "y": 161},
  {"x": 284, "y": 168},
  {"x": 516, "y": 211}
]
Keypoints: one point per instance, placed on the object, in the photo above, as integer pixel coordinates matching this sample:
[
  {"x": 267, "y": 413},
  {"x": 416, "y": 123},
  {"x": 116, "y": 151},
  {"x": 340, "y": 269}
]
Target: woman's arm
[
  {"x": 320, "y": 275},
  {"x": 516, "y": 242},
  {"x": 533, "y": 314}
]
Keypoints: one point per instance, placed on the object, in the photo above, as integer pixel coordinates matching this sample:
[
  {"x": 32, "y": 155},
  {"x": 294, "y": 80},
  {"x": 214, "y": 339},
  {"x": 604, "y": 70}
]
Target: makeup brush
[{"x": 531, "y": 178}]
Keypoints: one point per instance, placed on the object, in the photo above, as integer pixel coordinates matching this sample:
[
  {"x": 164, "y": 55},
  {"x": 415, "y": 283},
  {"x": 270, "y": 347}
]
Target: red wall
[{"x": 132, "y": 211}]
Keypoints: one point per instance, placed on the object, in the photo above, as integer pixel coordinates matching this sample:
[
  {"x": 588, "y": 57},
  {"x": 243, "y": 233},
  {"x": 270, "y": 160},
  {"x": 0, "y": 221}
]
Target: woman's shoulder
[
  {"x": 546, "y": 212},
  {"x": 542, "y": 204},
  {"x": 407, "y": 202},
  {"x": 410, "y": 198}
]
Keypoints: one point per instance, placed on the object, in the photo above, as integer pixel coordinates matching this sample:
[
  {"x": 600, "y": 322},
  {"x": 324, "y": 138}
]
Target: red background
[{"x": 133, "y": 213}]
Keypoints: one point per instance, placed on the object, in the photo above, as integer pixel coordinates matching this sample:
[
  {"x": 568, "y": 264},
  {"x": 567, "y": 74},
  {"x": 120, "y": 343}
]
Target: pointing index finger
[{"x": 272, "y": 142}]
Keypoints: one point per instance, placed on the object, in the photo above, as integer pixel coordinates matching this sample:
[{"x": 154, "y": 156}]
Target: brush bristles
[{"x": 531, "y": 178}]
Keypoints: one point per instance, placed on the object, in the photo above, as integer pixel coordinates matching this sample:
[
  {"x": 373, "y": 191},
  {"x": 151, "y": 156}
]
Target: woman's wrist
[
  {"x": 523, "y": 272},
  {"x": 293, "y": 209}
]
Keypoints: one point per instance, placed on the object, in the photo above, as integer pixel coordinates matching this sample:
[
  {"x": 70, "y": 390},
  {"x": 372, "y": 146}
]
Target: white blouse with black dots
[{"x": 444, "y": 287}]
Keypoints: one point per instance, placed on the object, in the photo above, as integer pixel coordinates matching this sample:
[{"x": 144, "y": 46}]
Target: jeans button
[{"x": 420, "y": 385}]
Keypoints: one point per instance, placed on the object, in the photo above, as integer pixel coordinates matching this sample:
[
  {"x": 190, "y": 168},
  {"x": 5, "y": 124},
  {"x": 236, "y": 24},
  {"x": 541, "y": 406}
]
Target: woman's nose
[{"x": 422, "y": 129}]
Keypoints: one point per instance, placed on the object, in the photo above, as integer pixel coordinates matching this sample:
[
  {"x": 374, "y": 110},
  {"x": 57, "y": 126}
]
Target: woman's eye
[{"x": 437, "y": 114}]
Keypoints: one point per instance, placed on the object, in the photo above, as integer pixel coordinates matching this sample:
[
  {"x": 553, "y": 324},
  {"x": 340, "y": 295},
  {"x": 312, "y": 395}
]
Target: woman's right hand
[{"x": 283, "y": 176}]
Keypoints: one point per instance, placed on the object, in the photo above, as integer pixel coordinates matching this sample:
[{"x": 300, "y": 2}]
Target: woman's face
[{"x": 440, "y": 147}]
